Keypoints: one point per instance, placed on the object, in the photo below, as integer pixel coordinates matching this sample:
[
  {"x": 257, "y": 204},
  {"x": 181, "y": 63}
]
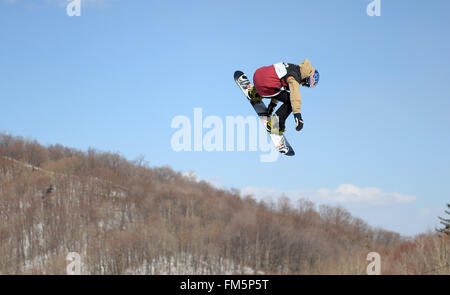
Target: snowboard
[{"x": 279, "y": 141}]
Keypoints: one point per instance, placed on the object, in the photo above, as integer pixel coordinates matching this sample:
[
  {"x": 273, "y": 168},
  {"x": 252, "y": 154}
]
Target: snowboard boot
[
  {"x": 269, "y": 128},
  {"x": 254, "y": 95}
]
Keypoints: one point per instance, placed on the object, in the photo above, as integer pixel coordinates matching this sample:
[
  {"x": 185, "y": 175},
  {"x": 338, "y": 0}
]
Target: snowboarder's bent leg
[
  {"x": 285, "y": 110},
  {"x": 282, "y": 113}
]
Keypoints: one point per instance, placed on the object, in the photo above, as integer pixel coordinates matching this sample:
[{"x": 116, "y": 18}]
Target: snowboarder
[{"x": 281, "y": 82}]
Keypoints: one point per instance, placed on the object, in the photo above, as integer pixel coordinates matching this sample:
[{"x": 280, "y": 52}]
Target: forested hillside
[{"x": 127, "y": 217}]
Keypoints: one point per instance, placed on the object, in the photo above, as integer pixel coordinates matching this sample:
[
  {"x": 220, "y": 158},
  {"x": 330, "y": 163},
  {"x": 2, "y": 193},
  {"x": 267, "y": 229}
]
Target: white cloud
[
  {"x": 343, "y": 194},
  {"x": 389, "y": 210},
  {"x": 194, "y": 177}
]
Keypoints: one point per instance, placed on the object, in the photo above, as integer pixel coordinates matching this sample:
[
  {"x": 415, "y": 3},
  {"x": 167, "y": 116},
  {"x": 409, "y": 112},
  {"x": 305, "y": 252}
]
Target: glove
[
  {"x": 270, "y": 108},
  {"x": 298, "y": 122}
]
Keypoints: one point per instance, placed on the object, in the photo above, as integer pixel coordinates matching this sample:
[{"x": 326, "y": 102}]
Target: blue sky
[{"x": 115, "y": 77}]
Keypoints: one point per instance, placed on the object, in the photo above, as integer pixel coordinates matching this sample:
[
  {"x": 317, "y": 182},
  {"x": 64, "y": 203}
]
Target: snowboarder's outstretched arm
[
  {"x": 296, "y": 99},
  {"x": 296, "y": 102}
]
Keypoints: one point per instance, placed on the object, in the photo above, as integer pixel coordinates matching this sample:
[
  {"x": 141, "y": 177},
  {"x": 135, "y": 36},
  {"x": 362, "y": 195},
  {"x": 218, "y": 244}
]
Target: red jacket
[{"x": 271, "y": 80}]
